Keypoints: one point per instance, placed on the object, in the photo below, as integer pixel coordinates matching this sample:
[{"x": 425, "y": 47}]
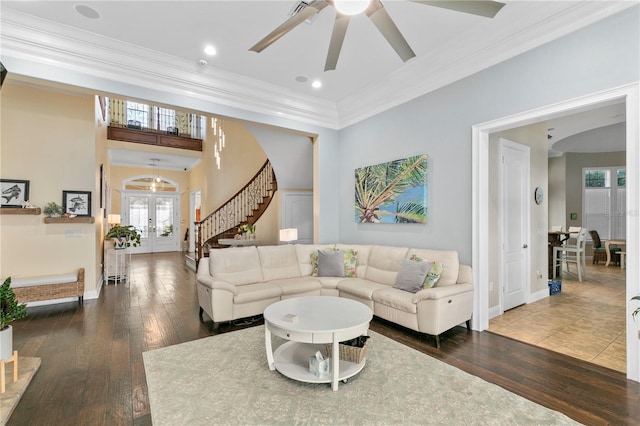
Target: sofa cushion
[
  {"x": 395, "y": 298},
  {"x": 448, "y": 258},
  {"x": 303, "y": 253},
  {"x": 256, "y": 292},
  {"x": 279, "y": 262},
  {"x": 330, "y": 263},
  {"x": 411, "y": 276},
  {"x": 362, "y": 257},
  {"x": 433, "y": 273},
  {"x": 237, "y": 266},
  {"x": 384, "y": 263},
  {"x": 363, "y": 289},
  {"x": 301, "y": 285}
]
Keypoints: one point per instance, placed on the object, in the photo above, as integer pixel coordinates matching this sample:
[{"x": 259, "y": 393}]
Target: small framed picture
[
  {"x": 77, "y": 202},
  {"x": 14, "y": 192}
]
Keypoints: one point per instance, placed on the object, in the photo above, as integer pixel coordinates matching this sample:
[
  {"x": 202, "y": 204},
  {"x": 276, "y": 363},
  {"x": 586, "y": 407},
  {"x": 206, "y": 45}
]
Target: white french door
[{"x": 156, "y": 216}]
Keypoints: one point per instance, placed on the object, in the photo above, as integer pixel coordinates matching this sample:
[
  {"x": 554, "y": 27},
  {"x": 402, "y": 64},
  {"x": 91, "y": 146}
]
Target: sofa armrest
[
  {"x": 210, "y": 282},
  {"x": 441, "y": 292},
  {"x": 465, "y": 274}
]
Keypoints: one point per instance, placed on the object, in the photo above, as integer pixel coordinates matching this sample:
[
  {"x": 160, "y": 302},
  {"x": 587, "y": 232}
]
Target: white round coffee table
[{"x": 317, "y": 320}]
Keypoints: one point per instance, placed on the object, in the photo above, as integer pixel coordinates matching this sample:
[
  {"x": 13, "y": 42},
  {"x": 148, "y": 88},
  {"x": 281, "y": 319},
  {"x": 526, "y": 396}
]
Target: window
[
  {"x": 138, "y": 113},
  {"x": 605, "y": 201},
  {"x": 166, "y": 118}
]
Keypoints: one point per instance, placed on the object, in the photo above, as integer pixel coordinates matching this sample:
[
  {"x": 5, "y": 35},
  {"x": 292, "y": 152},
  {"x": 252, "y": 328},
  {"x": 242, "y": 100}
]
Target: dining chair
[
  {"x": 572, "y": 253},
  {"x": 599, "y": 251},
  {"x": 556, "y": 228}
]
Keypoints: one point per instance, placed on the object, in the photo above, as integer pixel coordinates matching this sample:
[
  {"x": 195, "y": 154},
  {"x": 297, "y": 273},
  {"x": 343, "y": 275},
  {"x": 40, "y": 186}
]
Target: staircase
[{"x": 245, "y": 207}]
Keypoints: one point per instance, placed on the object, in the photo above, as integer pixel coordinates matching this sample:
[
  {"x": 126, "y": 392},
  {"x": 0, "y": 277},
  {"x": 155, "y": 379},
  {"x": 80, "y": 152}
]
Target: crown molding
[
  {"x": 103, "y": 60},
  {"x": 39, "y": 41},
  {"x": 443, "y": 68}
]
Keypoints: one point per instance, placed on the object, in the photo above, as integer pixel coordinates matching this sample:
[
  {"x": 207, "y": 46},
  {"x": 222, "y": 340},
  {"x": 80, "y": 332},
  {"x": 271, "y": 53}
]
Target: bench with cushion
[{"x": 48, "y": 287}]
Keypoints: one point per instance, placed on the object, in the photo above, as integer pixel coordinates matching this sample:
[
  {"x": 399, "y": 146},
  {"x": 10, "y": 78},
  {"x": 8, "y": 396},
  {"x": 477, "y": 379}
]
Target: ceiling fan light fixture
[{"x": 351, "y": 7}]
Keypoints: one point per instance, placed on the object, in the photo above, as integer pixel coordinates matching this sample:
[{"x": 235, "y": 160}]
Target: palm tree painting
[{"x": 393, "y": 192}]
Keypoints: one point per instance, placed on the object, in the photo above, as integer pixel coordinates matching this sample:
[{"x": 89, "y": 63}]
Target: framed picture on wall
[
  {"x": 392, "y": 192},
  {"x": 14, "y": 192},
  {"x": 77, "y": 202}
]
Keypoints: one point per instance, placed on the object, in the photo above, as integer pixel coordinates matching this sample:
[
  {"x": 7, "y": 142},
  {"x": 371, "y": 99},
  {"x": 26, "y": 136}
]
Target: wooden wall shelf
[
  {"x": 35, "y": 210},
  {"x": 153, "y": 138},
  {"x": 78, "y": 219}
]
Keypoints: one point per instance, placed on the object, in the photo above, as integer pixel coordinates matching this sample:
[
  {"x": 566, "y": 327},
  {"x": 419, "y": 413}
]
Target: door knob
[{"x": 525, "y": 246}]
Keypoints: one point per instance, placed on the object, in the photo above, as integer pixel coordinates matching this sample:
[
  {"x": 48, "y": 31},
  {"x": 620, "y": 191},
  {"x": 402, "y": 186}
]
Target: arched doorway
[{"x": 152, "y": 204}]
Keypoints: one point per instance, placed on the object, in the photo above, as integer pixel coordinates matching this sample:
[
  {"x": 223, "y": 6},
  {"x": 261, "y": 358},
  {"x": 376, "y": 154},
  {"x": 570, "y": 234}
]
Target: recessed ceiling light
[
  {"x": 316, "y": 84},
  {"x": 87, "y": 12},
  {"x": 301, "y": 79},
  {"x": 210, "y": 50}
]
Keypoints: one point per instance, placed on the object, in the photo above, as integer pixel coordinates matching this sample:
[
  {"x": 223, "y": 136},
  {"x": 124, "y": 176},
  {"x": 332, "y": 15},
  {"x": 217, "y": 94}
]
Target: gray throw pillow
[
  {"x": 330, "y": 263},
  {"x": 411, "y": 276}
]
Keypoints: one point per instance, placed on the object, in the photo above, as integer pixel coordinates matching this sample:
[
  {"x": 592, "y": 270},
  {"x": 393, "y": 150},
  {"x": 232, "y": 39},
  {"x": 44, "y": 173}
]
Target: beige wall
[
  {"x": 48, "y": 138},
  {"x": 557, "y": 193},
  {"x": 574, "y": 164},
  {"x": 535, "y": 137},
  {"x": 241, "y": 159}
]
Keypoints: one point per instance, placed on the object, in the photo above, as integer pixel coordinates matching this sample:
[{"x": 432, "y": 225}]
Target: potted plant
[
  {"x": 124, "y": 236},
  {"x": 251, "y": 229},
  {"x": 53, "y": 209},
  {"x": 10, "y": 310},
  {"x": 635, "y": 313},
  {"x": 242, "y": 230}
]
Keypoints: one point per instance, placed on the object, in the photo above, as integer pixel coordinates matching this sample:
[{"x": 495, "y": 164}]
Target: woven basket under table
[{"x": 349, "y": 353}]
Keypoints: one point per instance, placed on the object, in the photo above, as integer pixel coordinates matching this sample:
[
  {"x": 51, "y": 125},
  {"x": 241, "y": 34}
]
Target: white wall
[{"x": 291, "y": 156}]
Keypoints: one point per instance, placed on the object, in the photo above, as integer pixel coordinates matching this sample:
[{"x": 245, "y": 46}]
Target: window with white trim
[{"x": 605, "y": 201}]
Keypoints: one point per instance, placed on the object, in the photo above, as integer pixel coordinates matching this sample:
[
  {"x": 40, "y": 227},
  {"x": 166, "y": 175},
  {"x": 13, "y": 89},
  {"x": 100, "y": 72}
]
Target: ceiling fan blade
[
  {"x": 337, "y": 37},
  {"x": 381, "y": 19},
  {"x": 313, "y": 8},
  {"x": 488, "y": 9}
]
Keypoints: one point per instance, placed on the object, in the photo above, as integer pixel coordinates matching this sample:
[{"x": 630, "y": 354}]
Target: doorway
[
  {"x": 155, "y": 216},
  {"x": 480, "y": 145}
]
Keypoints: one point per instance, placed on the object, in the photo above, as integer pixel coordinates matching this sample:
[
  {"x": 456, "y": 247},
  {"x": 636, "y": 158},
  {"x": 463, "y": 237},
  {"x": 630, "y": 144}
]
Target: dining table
[
  {"x": 556, "y": 239},
  {"x": 610, "y": 243}
]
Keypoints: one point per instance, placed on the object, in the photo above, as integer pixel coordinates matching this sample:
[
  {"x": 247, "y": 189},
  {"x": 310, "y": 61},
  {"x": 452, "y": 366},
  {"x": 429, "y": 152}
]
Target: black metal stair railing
[{"x": 245, "y": 207}]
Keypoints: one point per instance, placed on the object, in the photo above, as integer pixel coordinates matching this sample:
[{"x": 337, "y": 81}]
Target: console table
[
  {"x": 238, "y": 243},
  {"x": 116, "y": 265}
]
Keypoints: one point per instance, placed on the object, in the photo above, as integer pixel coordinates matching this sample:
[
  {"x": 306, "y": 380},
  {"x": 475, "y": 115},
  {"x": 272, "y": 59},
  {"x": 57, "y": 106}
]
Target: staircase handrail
[{"x": 239, "y": 208}]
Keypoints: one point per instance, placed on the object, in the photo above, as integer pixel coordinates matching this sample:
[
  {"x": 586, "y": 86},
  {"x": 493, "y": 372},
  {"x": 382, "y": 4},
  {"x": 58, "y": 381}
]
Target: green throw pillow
[
  {"x": 350, "y": 261},
  {"x": 434, "y": 273}
]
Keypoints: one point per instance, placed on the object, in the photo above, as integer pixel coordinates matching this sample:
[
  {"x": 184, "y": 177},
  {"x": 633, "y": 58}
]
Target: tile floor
[{"x": 586, "y": 320}]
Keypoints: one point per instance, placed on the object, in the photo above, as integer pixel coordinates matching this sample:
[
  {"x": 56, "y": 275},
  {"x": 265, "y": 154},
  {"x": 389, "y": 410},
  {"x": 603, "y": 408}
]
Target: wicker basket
[{"x": 349, "y": 353}]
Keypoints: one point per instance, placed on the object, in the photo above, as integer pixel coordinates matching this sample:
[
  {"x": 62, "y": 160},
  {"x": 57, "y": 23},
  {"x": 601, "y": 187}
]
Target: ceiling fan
[{"x": 376, "y": 12}]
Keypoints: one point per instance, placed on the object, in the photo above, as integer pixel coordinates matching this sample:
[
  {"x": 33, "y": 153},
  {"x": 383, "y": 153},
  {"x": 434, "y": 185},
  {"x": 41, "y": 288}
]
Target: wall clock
[{"x": 539, "y": 195}]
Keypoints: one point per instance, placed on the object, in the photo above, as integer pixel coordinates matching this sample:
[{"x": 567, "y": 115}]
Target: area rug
[
  {"x": 27, "y": 367},
  {"x": 225, "y": 380}
]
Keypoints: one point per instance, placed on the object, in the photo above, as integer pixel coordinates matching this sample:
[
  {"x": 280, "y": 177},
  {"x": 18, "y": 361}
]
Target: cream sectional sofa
[{"x": 241, "y": 282}]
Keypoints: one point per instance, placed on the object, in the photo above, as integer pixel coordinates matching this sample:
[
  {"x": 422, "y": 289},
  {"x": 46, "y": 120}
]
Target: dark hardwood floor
[{"x": 92, "y": 371}]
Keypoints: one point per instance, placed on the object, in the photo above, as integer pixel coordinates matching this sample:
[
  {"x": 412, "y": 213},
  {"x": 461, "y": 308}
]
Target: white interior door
[
  {"x": 514, "y": 178},
  {"x": 156, "y": 217}
]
